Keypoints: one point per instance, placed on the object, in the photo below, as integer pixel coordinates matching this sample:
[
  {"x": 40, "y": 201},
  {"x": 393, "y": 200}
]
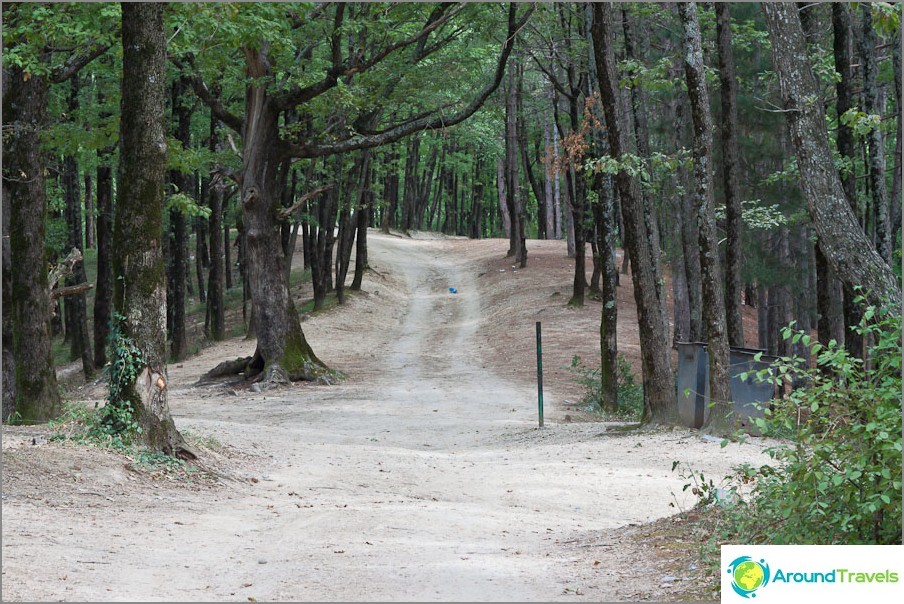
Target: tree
[
  {"x": 659, "y": 395},
  {"x": 31, "y": 64},
  {"x": 721, "y": 413},
  {"x": 24, "y": 113},
  {"x": 76, "y": 304},
  {"x": 871, "y": 105},
  {"x": 283, "y": 352},
  {"x": 140, "y": 281},
  {"x": 849, "y": 252},
  {"x": 731, "y": 168}
]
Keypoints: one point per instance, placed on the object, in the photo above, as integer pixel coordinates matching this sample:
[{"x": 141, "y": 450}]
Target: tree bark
[
  {"x": 140, "y": 286},
  {"x": 25, "y": 117},
  {"x": 90, "y": 229},
  {"x": 7, "y": 412},
  {"x": 843, "y": 51},
  {"x": 216, "y": 310},
  {"x": 103, "y": 289},
  {"x": 872, "y": 105},
  {"x": 659, "y": 395},
  {"x": 896, "y": 177},
  {"x": 362, "y": 218},
  {"x": 731, "y": 171},
  {"x": 177, "y": 272},
  {"x": 850, "y": 254},
  {"x": 503, "y": 199},
  {"x": 721, "y": 416},
  {"x": 609, "y": 294}
]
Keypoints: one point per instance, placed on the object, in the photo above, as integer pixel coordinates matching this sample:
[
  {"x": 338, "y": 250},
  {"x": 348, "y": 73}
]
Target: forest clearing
[{"x": 272, "y": 274}]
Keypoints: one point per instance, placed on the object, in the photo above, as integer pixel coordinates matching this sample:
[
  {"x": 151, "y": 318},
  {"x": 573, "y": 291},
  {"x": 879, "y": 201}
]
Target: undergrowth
[
  {"x": 114, "y": 426},
  {"x": 629, "y": 392},
  {"x": 835, "y": 477}
]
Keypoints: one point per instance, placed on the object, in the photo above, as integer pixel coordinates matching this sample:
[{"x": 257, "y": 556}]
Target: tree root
[{"x": 253, "y": 370}]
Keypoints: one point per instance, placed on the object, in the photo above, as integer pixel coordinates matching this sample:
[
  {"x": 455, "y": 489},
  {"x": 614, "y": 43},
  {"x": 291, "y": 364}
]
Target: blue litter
[{"x": 452, "y": 290}]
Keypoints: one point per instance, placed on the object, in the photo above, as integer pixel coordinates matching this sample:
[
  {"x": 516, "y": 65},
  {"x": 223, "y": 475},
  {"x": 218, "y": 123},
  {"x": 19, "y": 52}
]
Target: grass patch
[{"x": 82, "y": 424}]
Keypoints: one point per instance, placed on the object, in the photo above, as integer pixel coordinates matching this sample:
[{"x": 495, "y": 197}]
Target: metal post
[{"x": 539, "y": 375}]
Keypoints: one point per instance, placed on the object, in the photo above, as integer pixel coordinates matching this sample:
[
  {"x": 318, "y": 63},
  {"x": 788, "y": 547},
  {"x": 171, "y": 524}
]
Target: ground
[{"x": 422, "y": 476}]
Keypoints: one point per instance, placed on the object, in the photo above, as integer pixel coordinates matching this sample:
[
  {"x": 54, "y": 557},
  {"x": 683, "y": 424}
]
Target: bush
[
  {"x": 837, "y": 479},
  {"x": 629, "y": 396}
]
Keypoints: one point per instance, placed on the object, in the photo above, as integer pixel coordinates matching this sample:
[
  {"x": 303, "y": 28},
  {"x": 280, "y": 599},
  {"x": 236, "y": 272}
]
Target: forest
[{"x": 740, "y": 163}]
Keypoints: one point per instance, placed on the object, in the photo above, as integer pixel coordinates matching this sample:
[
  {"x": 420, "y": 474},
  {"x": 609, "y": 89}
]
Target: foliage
[
  {"x": 119, "y": 420},
  {"x": 837, "y": 479},
  {"x": 629, "y": 393},
  {"x": 187, "y": 205},
  {"x": 757, "y": 216}
]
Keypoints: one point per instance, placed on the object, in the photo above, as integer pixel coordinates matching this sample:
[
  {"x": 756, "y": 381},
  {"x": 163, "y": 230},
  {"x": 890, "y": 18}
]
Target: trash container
[{"x": 693, "y": 379}]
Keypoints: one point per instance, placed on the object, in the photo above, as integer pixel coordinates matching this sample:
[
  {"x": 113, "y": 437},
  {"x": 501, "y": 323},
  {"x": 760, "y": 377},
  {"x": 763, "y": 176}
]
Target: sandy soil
[{"x": 423, "y": 476}]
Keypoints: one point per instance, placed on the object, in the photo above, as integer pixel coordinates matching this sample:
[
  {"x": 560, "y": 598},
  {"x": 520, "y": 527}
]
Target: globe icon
[{"x": 748, "y": 575}]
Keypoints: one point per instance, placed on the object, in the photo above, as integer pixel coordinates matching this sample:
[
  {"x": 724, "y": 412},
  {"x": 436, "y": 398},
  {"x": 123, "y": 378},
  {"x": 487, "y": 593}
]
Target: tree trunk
[
  {"x": 227, "y": 249},
  {"x": 9, "y": 354},
  {"x": 639, "y": 117},
  {"x": 503, "y": 198},
  {"x": 604, "y": 216},
  {"x": 362, "y": 217},
  {"x": 872, "y": 104},
  {"x": 896, "y": 177},
  {"x": 25, "y": 117},
  {"x": 103, "y": 289},
  {"x": 731, "y": 172},
  {"x": 512, "y": 178},
  {"x": 659, "y": 395},
  {"x": 390, "y": 190},
  {"x": 536, "y": 186},
  {"x": 549, "y": 174},
  {"x": 681, "y": 310},
  {"x": 178, "y": 257},
  {"x": 76, "y": 305},
  {"x": 830, "y": 323},
  {"x": 850, "y": 254},
  {"x": 280, "y": 340},
  {"x": 843, "y": 51},
  {"x": 216, "y": 311},
  {"x": 202, "y": 258},
  {"x": 721, "y": 416},
  {"x": 409, "y": 200},
  {"x": 140, "y": 286},
  {"x": 90, "y": 229}
]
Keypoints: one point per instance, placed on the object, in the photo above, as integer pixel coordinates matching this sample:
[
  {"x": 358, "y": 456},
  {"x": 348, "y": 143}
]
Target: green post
[{"x": 539, "y": 375}]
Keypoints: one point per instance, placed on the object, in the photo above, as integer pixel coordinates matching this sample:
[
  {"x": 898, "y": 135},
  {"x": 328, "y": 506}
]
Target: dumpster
[{"x": 693, "y": 379}]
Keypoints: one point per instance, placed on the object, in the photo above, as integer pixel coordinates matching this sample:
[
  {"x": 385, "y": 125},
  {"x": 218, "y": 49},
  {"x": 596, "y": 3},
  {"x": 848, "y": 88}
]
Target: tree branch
[
  {"x": 207, "y": 97},
  {"x": 63, "y": 268},
  {"x": 338, "y": 70},
  {"x": 70, "y": 290},
  {"x": 284, "y": 213},
  {"x": 300, "y": 150},
  {"x": 74, "y": 63}
]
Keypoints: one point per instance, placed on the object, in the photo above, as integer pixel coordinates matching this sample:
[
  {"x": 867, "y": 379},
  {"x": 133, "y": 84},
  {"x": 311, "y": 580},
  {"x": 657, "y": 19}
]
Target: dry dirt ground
[{"x": 422, "y": 476}]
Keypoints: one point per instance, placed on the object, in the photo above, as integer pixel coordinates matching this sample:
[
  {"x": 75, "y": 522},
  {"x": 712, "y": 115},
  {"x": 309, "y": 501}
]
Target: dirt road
[{"x": 421, "y": 477}]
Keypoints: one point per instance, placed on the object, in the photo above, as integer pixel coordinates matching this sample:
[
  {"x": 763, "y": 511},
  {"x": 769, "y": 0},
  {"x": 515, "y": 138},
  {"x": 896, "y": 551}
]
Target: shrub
[
  {"x": 629, "y": 395},
  {"x": 837, "y": 479}
]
